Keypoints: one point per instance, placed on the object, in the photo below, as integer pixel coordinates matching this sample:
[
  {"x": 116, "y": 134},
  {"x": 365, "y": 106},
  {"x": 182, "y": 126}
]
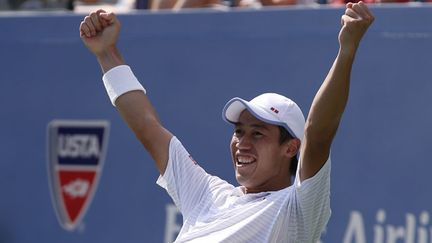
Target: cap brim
[{"x": 234, "y": 107}]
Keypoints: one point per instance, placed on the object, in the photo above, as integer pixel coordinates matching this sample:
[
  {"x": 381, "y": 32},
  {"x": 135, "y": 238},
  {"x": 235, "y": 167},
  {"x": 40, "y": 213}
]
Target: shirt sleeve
[
  {"x": 313, "y": 195},
  {"x": 184, "y": 180}
]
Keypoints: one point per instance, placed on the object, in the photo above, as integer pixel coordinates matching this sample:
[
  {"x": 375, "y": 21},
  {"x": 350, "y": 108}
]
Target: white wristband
[{"x": 120, "y": 80}]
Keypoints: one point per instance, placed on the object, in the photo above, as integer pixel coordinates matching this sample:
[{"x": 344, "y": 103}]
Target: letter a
[{"x": 355, "y": 232}]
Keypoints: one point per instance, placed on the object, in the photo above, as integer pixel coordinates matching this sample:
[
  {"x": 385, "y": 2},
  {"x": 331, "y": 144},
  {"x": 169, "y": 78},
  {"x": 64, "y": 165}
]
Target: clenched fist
[
  {"x": 355, "y": 22},
  {"x": 99, "y": 31}
]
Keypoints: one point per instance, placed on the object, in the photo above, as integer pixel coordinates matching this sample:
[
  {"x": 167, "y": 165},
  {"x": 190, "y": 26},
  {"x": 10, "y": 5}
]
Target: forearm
[
  {"x": 99, "y": 31},
  {"x": 330, "y": 101},
  {"x": 109, "y": 59},
  {"x": 135, "y": 107},
  {"x": 138, "y": 112}
]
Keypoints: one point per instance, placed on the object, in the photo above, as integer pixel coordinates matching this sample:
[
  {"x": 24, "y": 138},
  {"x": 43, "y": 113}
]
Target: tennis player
[{"x": 271, "y": 142}]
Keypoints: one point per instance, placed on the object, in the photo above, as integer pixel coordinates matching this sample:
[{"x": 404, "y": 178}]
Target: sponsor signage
[{"x": 76, "y": 154}]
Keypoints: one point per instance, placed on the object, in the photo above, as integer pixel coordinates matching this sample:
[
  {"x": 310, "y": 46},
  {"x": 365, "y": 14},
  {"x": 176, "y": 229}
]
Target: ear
[{"x": 292, "y": 147}]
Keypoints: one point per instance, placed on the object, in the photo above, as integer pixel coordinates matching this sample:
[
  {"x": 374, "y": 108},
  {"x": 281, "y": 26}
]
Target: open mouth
[{"x": 244, "y": 160}]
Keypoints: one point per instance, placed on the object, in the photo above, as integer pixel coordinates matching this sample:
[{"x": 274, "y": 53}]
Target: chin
[
  {"x": 244, "y": 182},
  {"x": 241, "y": 181}
]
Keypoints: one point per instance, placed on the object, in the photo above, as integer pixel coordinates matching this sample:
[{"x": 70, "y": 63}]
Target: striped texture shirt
[{"x": 215, "y": 211}]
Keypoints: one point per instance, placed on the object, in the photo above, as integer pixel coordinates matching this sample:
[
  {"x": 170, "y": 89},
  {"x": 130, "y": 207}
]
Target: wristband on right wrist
[{"x": 120, "y": 80}]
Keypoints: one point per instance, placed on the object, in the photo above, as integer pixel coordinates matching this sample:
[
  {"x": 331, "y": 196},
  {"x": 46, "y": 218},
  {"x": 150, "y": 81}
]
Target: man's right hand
[{"x": 99, "y": 31}]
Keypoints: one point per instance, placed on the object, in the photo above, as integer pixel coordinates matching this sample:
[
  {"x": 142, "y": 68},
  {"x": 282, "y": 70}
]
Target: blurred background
[
  {"x": 193, "y": 56},
  {"x": 154, "y": 5}
]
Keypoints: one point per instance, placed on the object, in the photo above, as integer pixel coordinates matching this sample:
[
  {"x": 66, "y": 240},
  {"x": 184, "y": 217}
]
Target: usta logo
[
  {"x": 77, "y": 188},
  {"x": 78, "y": 145}
]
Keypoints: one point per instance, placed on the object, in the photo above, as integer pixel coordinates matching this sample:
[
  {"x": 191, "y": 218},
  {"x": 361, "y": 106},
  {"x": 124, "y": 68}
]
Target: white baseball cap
[{"x": 271, "y": 108}]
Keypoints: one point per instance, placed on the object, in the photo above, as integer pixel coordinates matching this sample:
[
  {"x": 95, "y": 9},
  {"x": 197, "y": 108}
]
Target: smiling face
[{"x": 261, "y": 163}]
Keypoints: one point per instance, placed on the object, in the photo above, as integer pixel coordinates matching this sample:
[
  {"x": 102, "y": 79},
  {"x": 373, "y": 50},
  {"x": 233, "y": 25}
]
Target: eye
[
  {"x": 257, "y": 134},
  {"x": 238, "y": 132}
]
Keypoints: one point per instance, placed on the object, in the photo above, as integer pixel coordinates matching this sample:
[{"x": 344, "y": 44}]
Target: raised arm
[
  {"x": 99, "y": 31},
  {"x": 330, "y": 101}
]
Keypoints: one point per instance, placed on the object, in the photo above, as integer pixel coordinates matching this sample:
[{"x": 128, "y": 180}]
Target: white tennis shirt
[{"x": 215, "y": 211}]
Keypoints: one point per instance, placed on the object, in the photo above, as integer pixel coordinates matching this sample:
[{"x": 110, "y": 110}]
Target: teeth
[{"x": 245, "y": 160}]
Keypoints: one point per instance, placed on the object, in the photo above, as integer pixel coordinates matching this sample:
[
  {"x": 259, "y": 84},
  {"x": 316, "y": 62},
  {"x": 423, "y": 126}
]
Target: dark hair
[{"x": 284, "y": 137}]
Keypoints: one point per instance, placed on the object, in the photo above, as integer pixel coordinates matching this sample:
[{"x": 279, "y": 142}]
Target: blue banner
[{"x": 191, "y": 63}]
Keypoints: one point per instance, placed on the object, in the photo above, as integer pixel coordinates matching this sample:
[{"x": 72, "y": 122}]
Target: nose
[{"x": 244, "y": 142}]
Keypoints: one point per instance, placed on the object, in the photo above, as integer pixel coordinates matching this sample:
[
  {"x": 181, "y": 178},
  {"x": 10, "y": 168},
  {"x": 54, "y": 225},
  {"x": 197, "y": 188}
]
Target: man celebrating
[{"x": 271, "y": 144}]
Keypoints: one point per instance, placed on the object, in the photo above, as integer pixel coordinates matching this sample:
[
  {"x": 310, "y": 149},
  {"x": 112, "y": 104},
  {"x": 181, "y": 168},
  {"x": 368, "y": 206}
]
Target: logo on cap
[
  {"x": 274, "y": 110},
  {"x": 76, "y": 153}
]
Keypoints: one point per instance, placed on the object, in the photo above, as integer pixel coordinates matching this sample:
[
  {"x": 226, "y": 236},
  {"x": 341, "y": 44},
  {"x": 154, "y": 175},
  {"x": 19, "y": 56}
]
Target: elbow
[
  {"x": 319, "y": 132},
  {"x": 145, "y": 129}
]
